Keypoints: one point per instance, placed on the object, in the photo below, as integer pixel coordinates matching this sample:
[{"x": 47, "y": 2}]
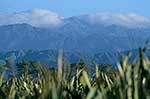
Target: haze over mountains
[
  {"x": 99, "y": 37},
  {"x": 101, "y": 32},
  {"x": 46, "y": 18}
]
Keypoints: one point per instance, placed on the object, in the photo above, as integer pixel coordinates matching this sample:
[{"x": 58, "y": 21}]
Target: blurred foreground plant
[{"x": 78, "y": 81}]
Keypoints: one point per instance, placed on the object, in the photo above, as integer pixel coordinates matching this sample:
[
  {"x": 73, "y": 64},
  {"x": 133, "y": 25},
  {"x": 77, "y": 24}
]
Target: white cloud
[
  {"x": 129, "y": 19},
  {"x": 44, "y": 18},
  {"x": 36, "y": 17}
]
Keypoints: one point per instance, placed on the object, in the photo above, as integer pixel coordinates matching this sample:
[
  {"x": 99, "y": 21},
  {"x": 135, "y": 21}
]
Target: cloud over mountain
[
  {"x": 128, "y": 19},
  {"x": 46, "y": 18},
  {"x": 35, "y": 17}
]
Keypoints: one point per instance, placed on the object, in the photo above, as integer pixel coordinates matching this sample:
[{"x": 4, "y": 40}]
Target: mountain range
[{"x": 98, "y": 33}]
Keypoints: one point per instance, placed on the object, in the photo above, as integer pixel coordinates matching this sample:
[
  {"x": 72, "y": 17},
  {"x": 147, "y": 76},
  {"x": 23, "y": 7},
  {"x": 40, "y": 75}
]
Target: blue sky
[{"x": 68, "y": 8}]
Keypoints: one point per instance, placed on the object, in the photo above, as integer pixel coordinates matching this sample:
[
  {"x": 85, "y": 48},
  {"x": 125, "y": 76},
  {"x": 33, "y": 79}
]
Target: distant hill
[
  {"x": 73, "y": 35},
  {"x": 93, "y": 36},
  {"x": 49, "y": 57}
]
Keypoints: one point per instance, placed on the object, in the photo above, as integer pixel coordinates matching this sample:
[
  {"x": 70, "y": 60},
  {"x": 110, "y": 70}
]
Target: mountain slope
[
  {"x": 71, "y": 38},
  {"x": 74, "y": 34}
]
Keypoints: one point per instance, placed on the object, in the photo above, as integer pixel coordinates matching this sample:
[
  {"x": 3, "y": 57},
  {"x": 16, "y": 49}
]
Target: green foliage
[{"x": 77, "y": 81}]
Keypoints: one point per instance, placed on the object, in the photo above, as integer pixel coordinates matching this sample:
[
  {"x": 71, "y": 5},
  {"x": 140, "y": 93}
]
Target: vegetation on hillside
[{"x": 31, "y": 80}]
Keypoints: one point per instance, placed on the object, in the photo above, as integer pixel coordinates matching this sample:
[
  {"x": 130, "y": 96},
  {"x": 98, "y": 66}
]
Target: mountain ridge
[
  {"x": 73, "y": 37},
  {"x": 47, "y": 18}
]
